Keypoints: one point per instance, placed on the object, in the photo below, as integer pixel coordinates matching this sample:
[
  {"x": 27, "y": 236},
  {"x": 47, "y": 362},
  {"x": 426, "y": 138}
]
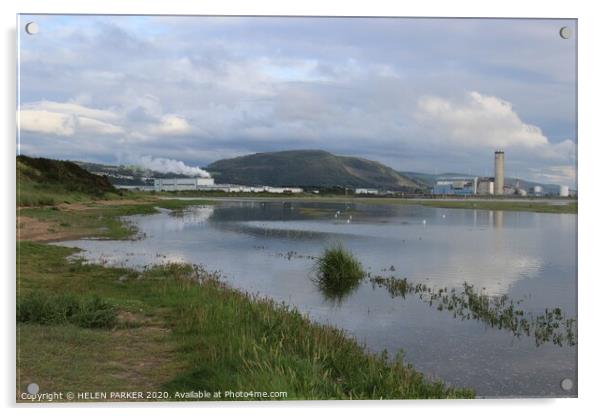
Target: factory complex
[
  {"x": 475, "y": 185},
  {"x": 208, "y": 184}
]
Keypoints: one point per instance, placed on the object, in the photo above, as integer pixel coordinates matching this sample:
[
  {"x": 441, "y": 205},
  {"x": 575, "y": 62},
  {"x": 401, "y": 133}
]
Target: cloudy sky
[{"x": 429, "y": 95}]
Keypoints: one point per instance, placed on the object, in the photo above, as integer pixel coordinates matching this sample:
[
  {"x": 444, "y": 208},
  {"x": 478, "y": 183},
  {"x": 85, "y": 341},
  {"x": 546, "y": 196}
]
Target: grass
[
  {"x": 338, "y": 272},
  {"x": 62, "y": 309},
  {"x": 180, "y": 329}
]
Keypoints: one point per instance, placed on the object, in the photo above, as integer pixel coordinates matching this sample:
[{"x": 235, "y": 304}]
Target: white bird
[
  {"x": 423, "y": 222},
  {"x": 348, "y": 220},
  {"x": 443, "y": 216}
]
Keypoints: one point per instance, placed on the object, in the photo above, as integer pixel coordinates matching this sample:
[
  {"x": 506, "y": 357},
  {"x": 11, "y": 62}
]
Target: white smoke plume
[{"x": 163, "y": 165}]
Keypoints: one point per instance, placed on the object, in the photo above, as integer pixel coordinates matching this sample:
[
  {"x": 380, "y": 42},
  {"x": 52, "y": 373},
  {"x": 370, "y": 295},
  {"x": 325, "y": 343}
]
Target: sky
[{"x": 426, "y": 95}]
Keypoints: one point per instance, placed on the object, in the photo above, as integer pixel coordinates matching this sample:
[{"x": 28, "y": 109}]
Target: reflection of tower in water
[{"x": 496, "y": 218}]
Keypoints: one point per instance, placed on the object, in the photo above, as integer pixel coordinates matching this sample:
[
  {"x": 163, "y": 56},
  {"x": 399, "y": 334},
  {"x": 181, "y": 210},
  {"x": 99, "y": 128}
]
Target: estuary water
[{"x": 267, "y": 248}]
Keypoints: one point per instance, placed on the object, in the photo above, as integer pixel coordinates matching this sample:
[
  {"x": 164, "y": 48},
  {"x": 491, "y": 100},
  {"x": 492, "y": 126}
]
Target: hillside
[
  {"x": 42, "y": 181},
  {"x": 307, "y": 168}
]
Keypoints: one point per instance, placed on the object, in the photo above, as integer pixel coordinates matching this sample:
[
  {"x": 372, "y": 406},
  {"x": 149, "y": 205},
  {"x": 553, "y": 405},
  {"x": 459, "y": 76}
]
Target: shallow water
[{"x": 266, "y": 248}]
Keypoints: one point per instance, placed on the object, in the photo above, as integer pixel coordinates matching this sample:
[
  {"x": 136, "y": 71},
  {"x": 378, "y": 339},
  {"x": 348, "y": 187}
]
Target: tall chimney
[{"x": 498, "y": 187}]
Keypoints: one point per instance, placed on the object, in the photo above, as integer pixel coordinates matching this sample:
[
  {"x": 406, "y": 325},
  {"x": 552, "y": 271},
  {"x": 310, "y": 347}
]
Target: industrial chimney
[{"x": 498, "y": 187}]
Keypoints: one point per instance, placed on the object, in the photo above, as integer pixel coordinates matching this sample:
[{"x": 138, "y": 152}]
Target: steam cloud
[{"x": 163, "y": 165}]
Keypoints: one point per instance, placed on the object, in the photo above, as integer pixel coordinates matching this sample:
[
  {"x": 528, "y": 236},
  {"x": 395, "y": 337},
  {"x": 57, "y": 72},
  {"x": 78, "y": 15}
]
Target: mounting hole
[
  {"x": 566, "y": 384},
  {"x": 565, "y": 32},
  {"x": 33, "y": 388},
  {"x": 32, "y": 28}
]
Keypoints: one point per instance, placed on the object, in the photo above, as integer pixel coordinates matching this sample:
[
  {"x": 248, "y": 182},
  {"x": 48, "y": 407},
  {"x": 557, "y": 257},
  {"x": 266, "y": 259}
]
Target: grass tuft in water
[{"x": 338, "y": 272}]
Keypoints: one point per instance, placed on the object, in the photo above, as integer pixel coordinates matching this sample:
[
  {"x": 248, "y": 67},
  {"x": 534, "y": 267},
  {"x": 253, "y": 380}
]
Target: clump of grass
[
  {"x": 61, "y": 309},
  {"x": 96, "y": 313},
  {"x": 338, "y": 272}
]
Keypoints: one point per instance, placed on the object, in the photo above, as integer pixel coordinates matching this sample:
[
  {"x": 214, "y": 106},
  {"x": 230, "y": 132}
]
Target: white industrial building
[
  {"x": 182, "y": 184},
  {"x": 366, "y": 191},
  {"x": 208, "y": 184},
  {"x": 485, "y": 186}
]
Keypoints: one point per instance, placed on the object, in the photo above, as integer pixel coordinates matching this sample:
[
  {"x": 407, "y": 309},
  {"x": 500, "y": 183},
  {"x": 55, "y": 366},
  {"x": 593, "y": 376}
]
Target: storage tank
[
  {"x": 564, "y": 190},
  {"x": 498, "y": 188}
]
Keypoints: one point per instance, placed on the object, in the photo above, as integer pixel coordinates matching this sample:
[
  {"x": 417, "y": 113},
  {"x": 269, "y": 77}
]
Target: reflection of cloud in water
[
  {"x": 494, "y": 272},
  {"x": 130, "y": 257},
  {"x": 166, "y": 222},
  {"x": 277, "y": 229}
]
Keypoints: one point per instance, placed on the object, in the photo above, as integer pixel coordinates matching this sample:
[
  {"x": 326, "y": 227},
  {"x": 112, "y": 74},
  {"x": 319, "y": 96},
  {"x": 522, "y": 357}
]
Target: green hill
[
  {"x": 308, "y": 168},
  {"x": 42, "y": 181}
]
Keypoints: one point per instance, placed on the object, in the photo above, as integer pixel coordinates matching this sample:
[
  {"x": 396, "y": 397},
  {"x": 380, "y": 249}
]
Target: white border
[{"x": 589, "y": 171}]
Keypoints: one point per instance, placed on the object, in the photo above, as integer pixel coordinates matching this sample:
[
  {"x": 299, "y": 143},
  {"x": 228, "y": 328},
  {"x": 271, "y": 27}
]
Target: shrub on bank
[{"x": 61, "y": 309}]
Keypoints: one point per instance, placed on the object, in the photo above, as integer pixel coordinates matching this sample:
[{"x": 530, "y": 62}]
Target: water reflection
[
  {"x": 268, "y": 248},
  {"x": 498, "y": 312}
]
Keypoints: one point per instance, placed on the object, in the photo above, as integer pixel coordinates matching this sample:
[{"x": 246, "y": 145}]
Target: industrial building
[
  {"x": 208, "y": 184},
  {"x": 537, "y": 190},
  {"x": 366, "y": 191},
  {"x": 564, "y": 191},
  {"x": 485, "y": 186},
  {"x": 456, "y": 186},
  {"x": 182, "y": 184}
]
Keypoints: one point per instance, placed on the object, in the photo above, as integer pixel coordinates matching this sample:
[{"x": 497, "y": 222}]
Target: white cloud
[
  {"x": 561, "y": 174},
  {"x": 477, "y": 120},
  {"x": 72, "y": 108},
  {"x": 71, "y": 119},
  {"x": 67, "y": 119},
  {"x": 46, "y": 122},
  {"x": 171, "y": 124},
  {"x": 475, "y": 124}
]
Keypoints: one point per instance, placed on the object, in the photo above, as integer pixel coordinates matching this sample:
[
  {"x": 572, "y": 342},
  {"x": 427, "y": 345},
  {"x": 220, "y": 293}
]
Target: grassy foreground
[{"x": 175, "y": 335}]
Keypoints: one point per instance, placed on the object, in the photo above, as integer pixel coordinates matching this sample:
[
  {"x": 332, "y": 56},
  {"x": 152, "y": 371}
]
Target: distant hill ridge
[{"x": 308, "y": 168}]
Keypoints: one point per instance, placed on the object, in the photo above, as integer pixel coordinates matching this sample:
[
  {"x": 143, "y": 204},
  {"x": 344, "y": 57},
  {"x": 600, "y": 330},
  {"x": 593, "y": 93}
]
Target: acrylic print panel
[{"x": 278, "y": 208}]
